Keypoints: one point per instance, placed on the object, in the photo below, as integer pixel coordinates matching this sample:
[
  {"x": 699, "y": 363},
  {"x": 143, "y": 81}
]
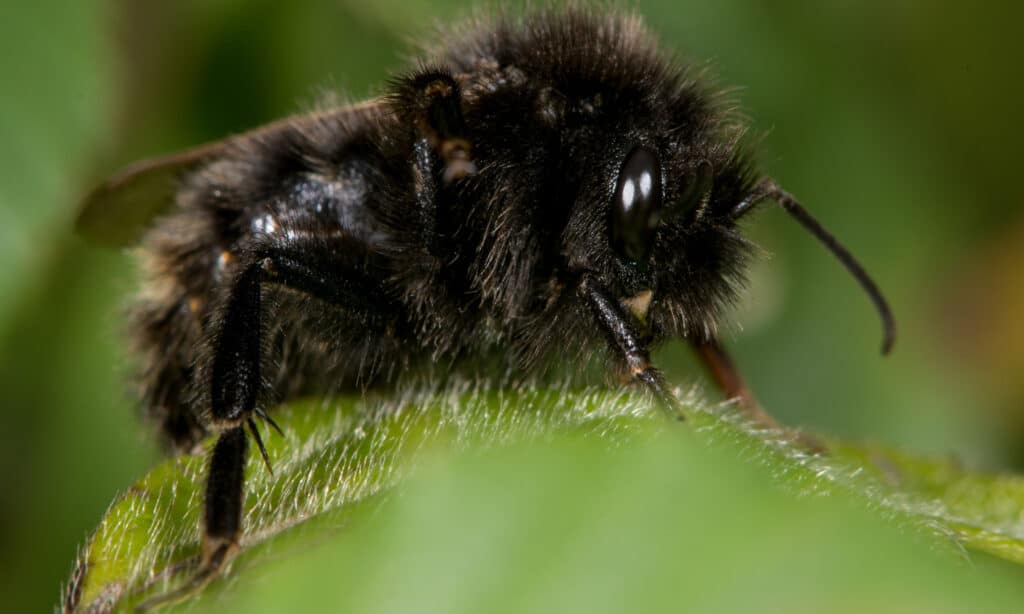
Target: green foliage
[{"x": 559, "y": 500}]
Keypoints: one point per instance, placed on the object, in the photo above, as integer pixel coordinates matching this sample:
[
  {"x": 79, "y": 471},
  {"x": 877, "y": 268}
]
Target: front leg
[
  {"x": 627, "y": 342},
  {"x": 722, "y": 369},
  {"x": 727, "y": 377}
]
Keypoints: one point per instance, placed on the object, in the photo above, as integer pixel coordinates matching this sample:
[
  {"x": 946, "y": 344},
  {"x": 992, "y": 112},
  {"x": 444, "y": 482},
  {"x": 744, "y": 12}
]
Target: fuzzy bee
[{"x": 540, "y": 188}]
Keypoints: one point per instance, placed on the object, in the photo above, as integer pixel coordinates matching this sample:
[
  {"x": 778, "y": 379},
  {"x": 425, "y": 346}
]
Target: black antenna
[{"x": 768, "y": 189}]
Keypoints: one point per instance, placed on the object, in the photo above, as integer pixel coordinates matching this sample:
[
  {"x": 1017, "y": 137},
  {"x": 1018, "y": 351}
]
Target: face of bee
[
  {"x": 616, "y": 165},
  {"x": 634, "y": 186},
  {"x": 653, "y": 211},
  {"x": 672, "y": 231}
]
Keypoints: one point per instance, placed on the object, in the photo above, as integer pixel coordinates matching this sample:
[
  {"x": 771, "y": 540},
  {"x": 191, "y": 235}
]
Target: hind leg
[
  {"x": 311, "y": 265},
  {"x": 308, "y": 264}
]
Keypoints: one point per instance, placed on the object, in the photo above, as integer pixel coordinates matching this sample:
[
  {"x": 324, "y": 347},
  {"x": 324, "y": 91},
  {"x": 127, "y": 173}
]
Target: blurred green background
[{"x": 894, "y": 121}]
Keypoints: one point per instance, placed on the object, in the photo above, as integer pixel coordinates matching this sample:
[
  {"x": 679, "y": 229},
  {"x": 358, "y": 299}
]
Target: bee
[{"x": 540, "y": 187}]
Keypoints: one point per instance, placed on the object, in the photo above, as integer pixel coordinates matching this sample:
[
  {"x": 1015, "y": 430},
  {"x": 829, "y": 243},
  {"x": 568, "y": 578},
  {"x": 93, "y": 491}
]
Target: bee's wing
[{"x": 121, "y": 209}]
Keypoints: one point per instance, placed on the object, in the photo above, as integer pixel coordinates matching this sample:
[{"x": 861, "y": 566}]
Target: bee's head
[
  {"x": 626, "y": 159},
  {"x": 657, "y": 217},
  {"x": 635, "y": 166}
]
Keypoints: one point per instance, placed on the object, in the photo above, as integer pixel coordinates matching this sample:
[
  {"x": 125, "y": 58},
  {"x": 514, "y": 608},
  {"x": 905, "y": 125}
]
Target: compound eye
[{"x": 636, "y": 205}]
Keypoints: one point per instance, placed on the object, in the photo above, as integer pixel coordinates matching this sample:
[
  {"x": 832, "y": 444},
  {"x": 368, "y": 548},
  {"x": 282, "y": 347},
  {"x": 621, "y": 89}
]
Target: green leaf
[{"x": 536, "y": 499}]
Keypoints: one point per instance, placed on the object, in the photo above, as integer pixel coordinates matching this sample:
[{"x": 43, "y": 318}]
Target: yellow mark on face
[{"x": 639, "y": 305}]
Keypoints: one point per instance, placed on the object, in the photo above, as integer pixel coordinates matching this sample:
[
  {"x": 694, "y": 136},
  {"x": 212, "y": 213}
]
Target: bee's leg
[
  {"x": 723, "y": 371},
  {"x": 222, "y": 514},
  {"x": 627, "y": 341},
  {"x": 432, "y": 102},
  {"x": 312, "y": 265}
]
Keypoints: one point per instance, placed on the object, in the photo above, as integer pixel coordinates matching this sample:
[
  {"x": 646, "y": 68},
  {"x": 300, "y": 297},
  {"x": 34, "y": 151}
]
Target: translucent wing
[{"x": 121, "y": 209}]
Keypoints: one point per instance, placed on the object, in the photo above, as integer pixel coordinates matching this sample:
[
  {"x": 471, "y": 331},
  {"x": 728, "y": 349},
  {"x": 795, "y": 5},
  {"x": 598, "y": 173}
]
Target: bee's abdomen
[{"x": 166, "y": 321}]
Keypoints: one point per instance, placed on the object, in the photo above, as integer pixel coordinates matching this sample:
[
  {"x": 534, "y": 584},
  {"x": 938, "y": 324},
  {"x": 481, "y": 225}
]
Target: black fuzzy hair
[{"x": 464, "y": 273}]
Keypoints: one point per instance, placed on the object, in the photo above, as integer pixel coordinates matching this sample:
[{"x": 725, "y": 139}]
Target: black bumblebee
[{"x": 543, "y": 188}]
